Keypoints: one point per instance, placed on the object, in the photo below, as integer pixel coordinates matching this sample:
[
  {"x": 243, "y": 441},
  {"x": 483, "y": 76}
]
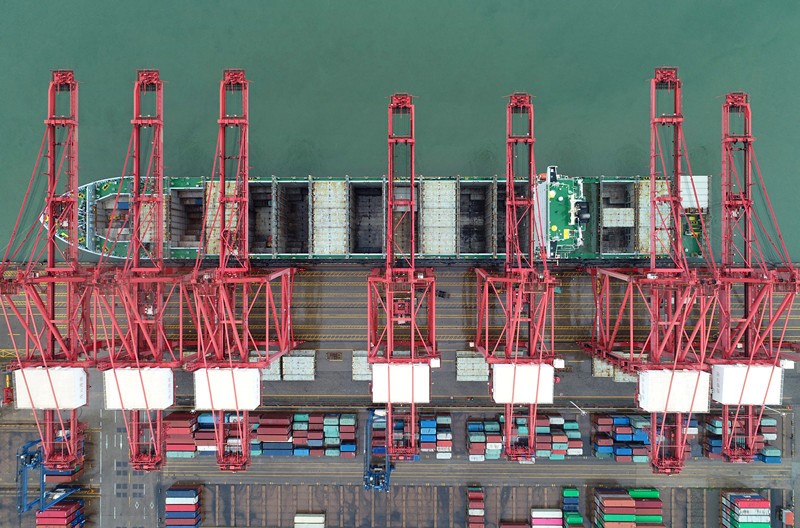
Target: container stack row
[
  {"x": 179, "y": 430},
  {"x": 767, "y": 432},
  {"x": 309, "y": 520},
  {"x": 182, "y": 506},
  {"x": 546, "y": 517},
  {"x": 436, "y": 435},
  {"x": 570, "y": 506},
  {"x": 745, "y": 509},
  {"x": 402, "y": 431},
  {"x": 628, "y": 508},
  {"x": 65, "y": 513},
  {"x": 484, "y": 440},
  {"x": 273, "y": 434},
  {"x": 476, "y": 507},
  {"x": 625, "y": 438},
  {"x": 555, "y": 437}
]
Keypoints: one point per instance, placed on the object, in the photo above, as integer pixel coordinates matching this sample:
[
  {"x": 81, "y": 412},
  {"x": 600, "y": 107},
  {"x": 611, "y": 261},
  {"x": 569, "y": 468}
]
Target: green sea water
[{"x": 321, "y": 73}]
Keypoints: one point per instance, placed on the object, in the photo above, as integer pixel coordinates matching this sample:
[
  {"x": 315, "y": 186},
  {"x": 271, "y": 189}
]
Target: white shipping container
[
  {"x": 206, "y": 448},
  {"x": 493, "y": 445},
  {"x": 545, "y": 513},
  {"x": 477, "y": 512},
  {"x": 441, "y": 455},
  {"x": 182, "y": 500},
  {"x": 575, "y": 451},
  {"x": 314, "y": 518},
  {"x": 477, "y": 458}
]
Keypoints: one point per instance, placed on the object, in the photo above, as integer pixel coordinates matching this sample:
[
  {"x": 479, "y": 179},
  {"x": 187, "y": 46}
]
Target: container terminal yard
[{"x": 524, "y": 349}]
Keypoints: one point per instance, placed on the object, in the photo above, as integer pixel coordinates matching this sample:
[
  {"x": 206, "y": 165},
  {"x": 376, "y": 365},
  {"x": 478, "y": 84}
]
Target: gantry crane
[
  {"x": 521, "y": 300},
  {"x": 133, "y": 299},
  {"x": 225, "y": 300},
  {"x": 57, "y": 342},
  {"x": 401, "y": 298},
  {"x": 679, "y": 300},
  {"x": 756, "y": 296}
]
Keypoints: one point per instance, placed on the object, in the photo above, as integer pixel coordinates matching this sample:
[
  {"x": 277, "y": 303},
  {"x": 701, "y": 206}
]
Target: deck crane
[
  {"x": 401, "y": 298},
  {"x": 57, "y": 346},
  {"x": 756, "y": 297},
  {"x": 521, "y": 300},
  {"x": 225, "y": 300},
  {"x": 680, "y": 301},
  {"x": 138, "y": 365}
]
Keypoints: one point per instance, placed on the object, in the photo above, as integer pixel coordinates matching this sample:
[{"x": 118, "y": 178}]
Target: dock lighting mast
[
  {"x": 679, "y": 301},
  {"x": 228, "y": 300},
  {"x": 521, "y": 300},
  {"x": 51, "y": 363},
  {"x": 756, "y": 297},
  {"x": 401, "y": 297},
  {"x": 138, "y": 371}
]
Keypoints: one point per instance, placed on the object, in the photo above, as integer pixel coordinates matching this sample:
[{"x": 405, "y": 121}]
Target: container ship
[{"x": 589, "y": 219}]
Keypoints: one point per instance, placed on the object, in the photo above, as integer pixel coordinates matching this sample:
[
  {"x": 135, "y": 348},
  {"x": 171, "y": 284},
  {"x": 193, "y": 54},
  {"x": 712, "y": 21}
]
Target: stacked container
[
  {"x": 275, "y": 434},
  {"x": 205, "y": 439},
  {"x": 401, "y": 434},
  {"x": 182, "y": 506},
  {"x": 309, "y": 520},
  {"x": 745, "y": 509},
  {"x": 546, "y": 517},
  {"x": 476, "y": 507},
  {"x": 65, "y": 513},
  {"x": 570, "y": 506},
  {"x": 347, "y": 435},
  {"x": 179, "y": 431},
  {"x": 628, "y": 508},
  {"x": 379, "y": 435},
  {"x": 622, "y": 438},
  {"x": 444, "y": 437},
  {"x": 435, "y": 435},
  {"x": 768, "y": 431},
  {"x": 484, "y": 440},
  {"x": 555, "y": 438}
]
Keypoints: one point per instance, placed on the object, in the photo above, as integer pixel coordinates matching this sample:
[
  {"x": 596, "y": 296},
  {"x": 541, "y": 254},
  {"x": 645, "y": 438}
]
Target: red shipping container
[
  {"x": 347, "y": 454},
  {"x": 444, "y": 443},
  {"x": 59, "y": 511},
  {"x": 347, "y": 428},
  {"x": 317, "y": 452},
  {"x": 347, "y": 436},
  {"x": 494, "y": 439},
  {"x": 315, "y": 435},
  {"x": 477, "y": 449},
  {"x": 182, "y": 507}
]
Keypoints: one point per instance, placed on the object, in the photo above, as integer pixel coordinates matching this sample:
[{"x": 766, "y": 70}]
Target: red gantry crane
[
  {"x": 401, "y": 298},
  {"x": 227, "y": 301},
  {"x": 678, "y": 302},
  {"x": 521, "y": 300},
  {"x": 756, "y": 296},
  {"x": 132, "y": 300},
  {"x": 56, "y": 345}
]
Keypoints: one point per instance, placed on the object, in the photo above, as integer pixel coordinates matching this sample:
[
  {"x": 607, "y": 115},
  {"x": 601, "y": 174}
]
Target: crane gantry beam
[
  {"x": 401, "y": 297},
  {"x": 521, "y": 300}
]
